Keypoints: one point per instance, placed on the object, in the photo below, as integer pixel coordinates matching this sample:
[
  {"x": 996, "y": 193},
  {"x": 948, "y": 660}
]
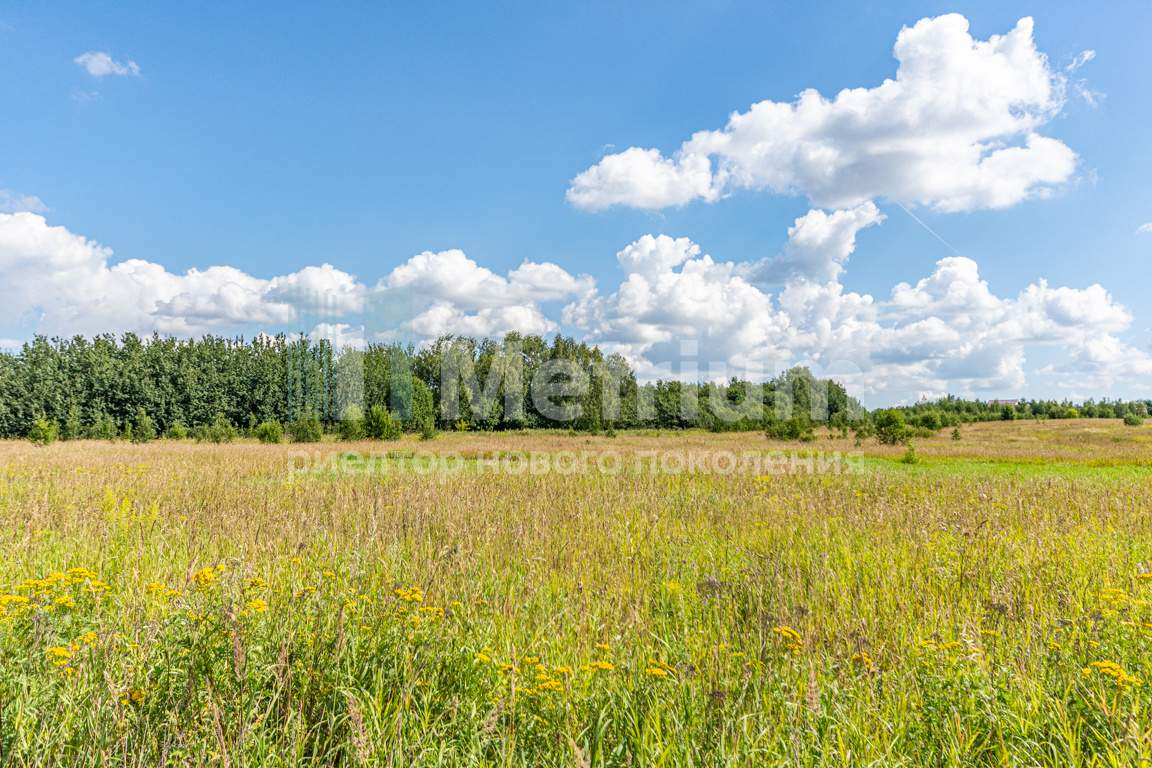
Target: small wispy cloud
[
  {"x": 1144, "y": 229},
  {"x": 100, "y": 64},
  {"x": 13, "y": 202},
  {"x": 1080, "y": 86},
  {"x": 1080, "y": 60},
  {"x": 85, "y": 97}
]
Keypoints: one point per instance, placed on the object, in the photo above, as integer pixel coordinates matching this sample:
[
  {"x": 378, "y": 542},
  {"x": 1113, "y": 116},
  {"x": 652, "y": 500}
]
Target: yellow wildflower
[
  {"x": 134, "y": 696},
  {"x": 410, "y": 594},
  {"x": 59, "y": 655},
  {"x": 790, "y": 637},
  {"x": 1113, "y": 671},
  {"x": 206, "y": 577},
  {"x": 162, "y": 590}
]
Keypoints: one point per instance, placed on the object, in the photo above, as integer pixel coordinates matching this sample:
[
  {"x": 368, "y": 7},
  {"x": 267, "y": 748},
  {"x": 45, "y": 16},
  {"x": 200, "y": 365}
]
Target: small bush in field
[
  {"x": 72, "y": 428},
  {"x": 269, "y": 432},
  {"x": 890, "y": 427},
  {"x": 379, "y": 424},
  {"x": 103, "y": 428},
  {"x": 177, "y": 431},
  {"x": 791, "y": 429},
  {"x": 144, "y": 430},
  {"x": 43, "y": 431},
  {"x": 306, "y": 429},
  {"x": 351, "y": 426},
  {"x": 1133, "y": 420},
  {"x": 219, "y": 431}
]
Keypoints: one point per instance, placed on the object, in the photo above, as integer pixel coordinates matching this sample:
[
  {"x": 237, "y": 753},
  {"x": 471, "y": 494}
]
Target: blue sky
[{"x": 275, "y": 137}]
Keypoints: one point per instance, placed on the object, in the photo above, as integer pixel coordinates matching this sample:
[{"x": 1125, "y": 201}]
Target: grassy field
[{"x": 546, "y": 599}]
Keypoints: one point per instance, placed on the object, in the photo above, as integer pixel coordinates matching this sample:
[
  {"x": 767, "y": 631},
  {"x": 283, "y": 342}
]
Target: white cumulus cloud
[
  {"x": 59, "y": 282},
  {"x": 956, "y": 129},
  {"x": 446, "y": 292},
  {"x": 101, "y": 64},
  {"x": 819, "y": 243},
  {"x": 946, "y": 332},
  {"x": 675, "y": 311}
]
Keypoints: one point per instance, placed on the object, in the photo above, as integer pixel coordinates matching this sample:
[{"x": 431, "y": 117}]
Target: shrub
[
  {"x": 306, "y": 429},
  {"x": 427, "y": 429},
  {"x": 890, "y": 427},
  {"x": 177, "y": 431},
  {"x": 930, "y": 421},
  {"x": 103, "y": 428},
  {"x": 43, "y": 431},
  {"x": 796, "y": 428},
  {"x": 423, "y": 406},
  {"x": 863, "y": 429},
  {"x": 910, "y": 456},
  {"x": 72, "y": 428},
  {"x": 392, "y": 429},
  {"x": 219, "y": 431},
  {"x": 1133, "y": 420},
  {"x": 379, "y": 424},
  {"x": 955, "y": 433},
  {"x": 144, "y": 430},
  {"x": 269, "y": 432},
  {"x": 351, "y": 425},
  {"x": 374, "y": 422}
]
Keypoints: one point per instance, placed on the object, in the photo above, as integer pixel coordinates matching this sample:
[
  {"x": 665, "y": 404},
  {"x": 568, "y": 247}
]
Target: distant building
[{"x": 1013, "y": 403}]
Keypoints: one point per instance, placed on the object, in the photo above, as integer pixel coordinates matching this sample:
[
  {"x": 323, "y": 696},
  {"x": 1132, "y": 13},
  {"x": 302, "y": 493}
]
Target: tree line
[
  {"x": 951, "y": 410},
  {"x": 129, "y": 386}
]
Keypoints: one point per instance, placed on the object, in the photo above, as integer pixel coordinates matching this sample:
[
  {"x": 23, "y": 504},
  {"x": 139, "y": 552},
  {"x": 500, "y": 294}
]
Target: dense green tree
[{"x": 890, "y": 427}]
